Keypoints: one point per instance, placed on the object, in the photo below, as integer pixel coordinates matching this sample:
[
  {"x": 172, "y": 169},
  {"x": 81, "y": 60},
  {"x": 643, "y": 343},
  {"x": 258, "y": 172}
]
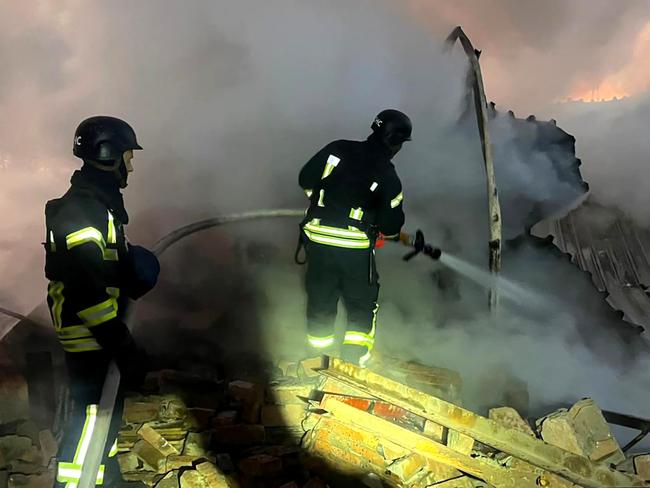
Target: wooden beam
[
  {"x": 480, "y": 103},
  {"x": 573, "y": 467}
]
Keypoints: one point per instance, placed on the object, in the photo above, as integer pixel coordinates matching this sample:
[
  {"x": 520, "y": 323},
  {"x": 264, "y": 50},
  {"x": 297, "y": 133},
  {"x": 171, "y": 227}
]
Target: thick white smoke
[{"x": 229, "y": 100}]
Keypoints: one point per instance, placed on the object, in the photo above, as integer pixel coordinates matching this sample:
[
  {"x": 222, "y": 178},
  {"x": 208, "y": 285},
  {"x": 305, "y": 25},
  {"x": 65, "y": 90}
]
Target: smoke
[{"x": 229, "y": 100}]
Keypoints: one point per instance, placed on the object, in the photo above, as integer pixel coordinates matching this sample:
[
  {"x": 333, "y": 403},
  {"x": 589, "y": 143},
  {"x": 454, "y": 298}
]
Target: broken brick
[
  {"x": 158, "y": 442},
  {"x": 406, "y": 468},
  {"x": 150, "y": 455},
  {"x": 13, "y": 447},
  {"x": 129, "y": 462},
  {"x": 239, "y": 435},
  {"x": 460, "y": 442},
  {"x": 170, "y": 480},
  {"x": 212, "y": 476},
  {"x": 308, "y": 368},
  {"x": 434, "y": 431},
  {"x": 510, "y": 418},
  {"x": 178, "y": 461},
  {"x": 138, "y": 412},
  {"x": 280, "y": 415},
  {"x": 260, "y": 465},
  {"x": 192, "y": 479},
  {"x": 642, "y": 466}
]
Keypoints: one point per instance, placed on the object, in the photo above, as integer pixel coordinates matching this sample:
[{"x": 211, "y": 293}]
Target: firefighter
[
  {"x": 93, "y": 271},
  {"x": 356, "y": 197}
]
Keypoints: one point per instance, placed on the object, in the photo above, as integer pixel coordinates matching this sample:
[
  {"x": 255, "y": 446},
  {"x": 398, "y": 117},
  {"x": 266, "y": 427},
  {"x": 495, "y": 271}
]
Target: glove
[{"x": 144, "y": 271}]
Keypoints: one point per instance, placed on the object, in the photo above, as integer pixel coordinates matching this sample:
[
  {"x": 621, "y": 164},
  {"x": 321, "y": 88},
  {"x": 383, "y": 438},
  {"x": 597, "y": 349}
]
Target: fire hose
[{"x": 112, "y": 380}]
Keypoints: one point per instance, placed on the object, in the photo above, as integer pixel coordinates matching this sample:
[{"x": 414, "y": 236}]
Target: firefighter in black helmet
[
  {"x": 93, "y": 271},
  {"x": 355, "y": 195}
]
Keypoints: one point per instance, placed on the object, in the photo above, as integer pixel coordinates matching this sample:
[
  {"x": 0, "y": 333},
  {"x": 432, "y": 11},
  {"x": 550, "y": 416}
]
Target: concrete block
[
  {"x": 510, "y": 418},
  {"x": 157, "y": 441}
]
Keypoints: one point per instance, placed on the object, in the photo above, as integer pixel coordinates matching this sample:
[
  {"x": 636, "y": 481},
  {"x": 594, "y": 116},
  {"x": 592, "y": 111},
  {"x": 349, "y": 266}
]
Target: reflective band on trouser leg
[
  {"x": 364, "y": 339},
  {"x": 309, "y": 192},
  {"x": 71, "y": 472},
  {"x": 320, "y": 342},
  {"x": 55, "y": 290},
  {"x": 397, "y": 200}
]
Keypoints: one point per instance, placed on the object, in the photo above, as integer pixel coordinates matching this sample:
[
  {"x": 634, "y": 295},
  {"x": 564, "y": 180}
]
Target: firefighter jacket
[
  {"x": 354, "y": 193},
  {"x": 89, "y": 267}
]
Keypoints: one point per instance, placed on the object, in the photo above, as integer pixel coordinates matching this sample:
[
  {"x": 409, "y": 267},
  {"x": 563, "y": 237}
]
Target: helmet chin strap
[{"x": 116, "y": 168}]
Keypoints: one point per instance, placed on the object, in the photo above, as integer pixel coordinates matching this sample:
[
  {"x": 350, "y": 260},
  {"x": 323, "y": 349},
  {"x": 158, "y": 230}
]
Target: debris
[
  {"x": 150, "y": 455},
  {"x": 211, "y": 475},
  {"x": 14, "y": 397},
  {"x": 509, "y": 417},
  {"x": 169, "y": 481},
  {"x": 178, "y": 461},
  {"x": 138, "y": 412},
  {"x": 192, "y": 479},
  {"x": 308, "y": 368},
  {"x": 287, "y": 393},
  {"x": 251, "y": 397},
  {"x": 48, "y": 445},
  {"x": 44, "y": 480},
  {"x": 239, "y": 435},
  {"x": 197, "y": 444},
  {"x": 157, "y": 441},
  {"x": 642, "y": 466},
  {"x": 228, "y": 417}
]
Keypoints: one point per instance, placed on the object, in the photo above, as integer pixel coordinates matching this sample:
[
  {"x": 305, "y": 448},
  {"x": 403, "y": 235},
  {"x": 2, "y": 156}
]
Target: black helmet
[
  {"x": 103, "y": 139},
  {"x": 393, "y": 126}
]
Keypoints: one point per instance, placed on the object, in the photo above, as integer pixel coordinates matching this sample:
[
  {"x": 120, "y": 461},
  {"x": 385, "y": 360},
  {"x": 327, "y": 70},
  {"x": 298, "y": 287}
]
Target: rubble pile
[
  {"x": 324, "y": 419},
  {"x": 27, "y": 452},
  {"x": 195, "y": 432},
  {"x": 371, "y": 425}
]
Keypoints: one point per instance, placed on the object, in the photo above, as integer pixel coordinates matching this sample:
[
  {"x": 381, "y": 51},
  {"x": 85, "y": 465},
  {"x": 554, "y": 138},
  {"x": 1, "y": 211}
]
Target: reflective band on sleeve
[
  {"x": 52, "y": 243},
  {"x": 320, "y": 342},
  {"x": 92, "y": 235},
  {"x": 332, "y": 162},
  {"x": 111, "y": 229},
  {"x": 309, "y": 192},
  {"x": 100, "y": 313},
  {"x": 55, "y": 290},
  {"x": 356, "y": 213},
  {"x": 321, "y": 198},
  {"x": 374, "y": 186},
  {"x": 397, "y": 200}
]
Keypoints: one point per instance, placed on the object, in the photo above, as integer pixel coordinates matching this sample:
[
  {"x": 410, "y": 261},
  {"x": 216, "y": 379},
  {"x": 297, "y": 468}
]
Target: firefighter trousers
[
  {"x": 87, "y": 372},
  {"x": 335, "y": 273}
]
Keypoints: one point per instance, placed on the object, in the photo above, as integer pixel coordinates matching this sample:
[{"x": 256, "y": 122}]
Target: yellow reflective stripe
[
  {"x": 83, "y": 346},
  {"x": 309, "y": 192},
  {"x": 364, "y": 359},
  {"x": 52, "y": 243},
  {"x": 90, "y": 234},
  {"x": 337, "y": 242},
  {"x": 55, "y": 290},
  {"x": 332, "y": 162},
  {"x": 374, "y": 186},
  {"x": 87, "y": 234},
  {"x": 397, "y": 200},
  {"x": 73, "y": 332},
  {"x": 321, "y": 198},
  {"x": 112, "y": 239},
  {"x": 356, "y": 213},
  {"x": 113, "y": 450},
  {"x": 71, "y": 473},
  {"x": 100, "y": 313},
  {"x": 336, "y": 231},
  {"x": 320, "y": 342}
]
